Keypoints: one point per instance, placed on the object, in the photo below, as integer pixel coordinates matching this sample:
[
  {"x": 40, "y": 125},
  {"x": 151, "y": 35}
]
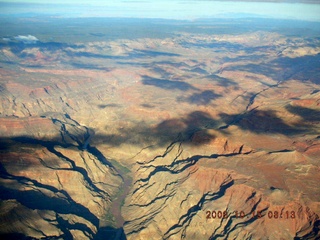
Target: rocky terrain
[{"x": 195, "y": 131}]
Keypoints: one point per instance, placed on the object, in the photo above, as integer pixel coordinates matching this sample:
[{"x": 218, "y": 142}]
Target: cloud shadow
[
  {"x": 305, "y": 68},
  {"x": 202, "y": 98},
  {"x": 307, "y": 114},
  {"x": 191, "y": 129},
  {"x": 167, "y": 84},
  {"x": 221, "y": 81},
  {"x": 264, "y": 122}
]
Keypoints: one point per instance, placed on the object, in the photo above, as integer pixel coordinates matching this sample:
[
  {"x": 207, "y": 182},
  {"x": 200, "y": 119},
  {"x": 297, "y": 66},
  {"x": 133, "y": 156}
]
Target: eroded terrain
[{"x": 144, "y": 137}]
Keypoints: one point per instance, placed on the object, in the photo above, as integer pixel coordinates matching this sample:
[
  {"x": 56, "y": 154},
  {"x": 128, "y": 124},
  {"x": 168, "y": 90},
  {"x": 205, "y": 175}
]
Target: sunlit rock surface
[{"x": 198, "y": 132}]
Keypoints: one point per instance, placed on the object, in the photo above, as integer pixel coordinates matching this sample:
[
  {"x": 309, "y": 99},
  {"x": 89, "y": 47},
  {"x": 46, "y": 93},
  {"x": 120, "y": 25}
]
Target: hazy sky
[{"x": 174, "y": 9}]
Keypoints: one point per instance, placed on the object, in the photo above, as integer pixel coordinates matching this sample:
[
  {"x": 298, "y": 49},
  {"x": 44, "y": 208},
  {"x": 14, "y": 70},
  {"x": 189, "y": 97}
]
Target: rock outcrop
[{"x": 196, "y": 133}]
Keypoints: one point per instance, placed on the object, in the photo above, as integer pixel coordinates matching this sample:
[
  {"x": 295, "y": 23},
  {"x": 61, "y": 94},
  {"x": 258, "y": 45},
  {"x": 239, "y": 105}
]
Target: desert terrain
[{"x": 158, "y": 129}]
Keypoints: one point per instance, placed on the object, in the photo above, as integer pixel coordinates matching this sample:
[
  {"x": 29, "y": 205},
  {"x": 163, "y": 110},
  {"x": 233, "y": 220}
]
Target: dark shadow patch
[
  {"x": 8, "y": 62},
  {"x": 167, "y": 84},
  {"x": 58, "y": 200},
  {"x": 203, "y": 98},
  {"x": 217, "y": 46},
  {"x": 110, "y": 105},
  {"x": 92, "y": 55},
  {"x": 26, "y": 55},
  {"x": 89, "y": 66},
  {"x": 5, "y": 144},
  {"x": 34, "y": 66},
  {"x": 308, "y": 114},
  {"x": 305, "y": 68},
  {"x": 145, "y": 105},
  {"x": 138, "y": 64},
  {"x": 54, "y": 46},
  {"x": 265, "y": 69},
  {"x": 221, "y": 81},
  {"x": 174, "y": 64},
  {"x": 281, "y": 151},
  {"x": 131, "y": 55},
  {"x": 15, "y": 236},
  {"x": 33, "y": 199},
  {"x": 110, "y": 233},
  {"x": 263, "y": 122},
  {"x": 256, "y": 57},
  {"x": 198, "y": 70},
  {"x": 17, "y": 47},
  {"x": 157, "y": 65},
  {"x": 160, "y": 71},
  {"x": 191, "y": 129},
  {"x": 150, "y": 53}
]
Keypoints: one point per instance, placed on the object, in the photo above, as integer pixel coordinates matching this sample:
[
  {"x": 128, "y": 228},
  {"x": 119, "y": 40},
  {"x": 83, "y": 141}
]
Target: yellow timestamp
[{"x": 254, "y": 214}]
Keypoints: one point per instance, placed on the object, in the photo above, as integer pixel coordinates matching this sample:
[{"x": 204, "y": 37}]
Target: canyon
[{"x": 177, "y": 130}]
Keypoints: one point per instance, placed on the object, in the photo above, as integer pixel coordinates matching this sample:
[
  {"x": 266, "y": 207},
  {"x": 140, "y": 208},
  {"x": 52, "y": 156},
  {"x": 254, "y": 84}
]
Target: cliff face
[
  {"x": 51, "y": 186},
  {"x": 195, "y": 136},
  {"x": 218, "y": 196}
]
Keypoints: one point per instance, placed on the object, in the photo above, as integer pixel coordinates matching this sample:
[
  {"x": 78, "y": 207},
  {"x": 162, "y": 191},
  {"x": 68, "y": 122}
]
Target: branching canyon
[{"x": 171, "y": 130}]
